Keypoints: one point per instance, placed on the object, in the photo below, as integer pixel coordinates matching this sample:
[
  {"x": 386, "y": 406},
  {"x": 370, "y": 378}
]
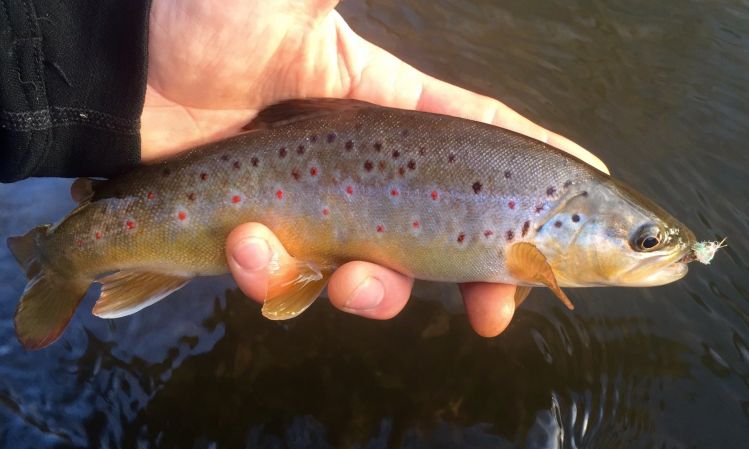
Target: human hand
[{"x": 213, "y": 65}]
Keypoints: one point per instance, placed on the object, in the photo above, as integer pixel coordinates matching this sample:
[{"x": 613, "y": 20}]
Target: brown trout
[{"x": 434, "y": 197}]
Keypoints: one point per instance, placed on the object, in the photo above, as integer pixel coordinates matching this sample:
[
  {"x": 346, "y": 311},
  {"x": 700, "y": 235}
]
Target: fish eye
[{"x": 648, "y": 238}]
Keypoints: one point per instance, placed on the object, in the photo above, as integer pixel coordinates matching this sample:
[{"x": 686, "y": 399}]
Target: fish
[{"x": 434, "y": 197}]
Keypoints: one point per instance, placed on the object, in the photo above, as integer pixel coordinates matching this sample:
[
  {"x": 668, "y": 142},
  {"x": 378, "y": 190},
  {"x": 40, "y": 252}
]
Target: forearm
[{"x": 72, "y": 83}]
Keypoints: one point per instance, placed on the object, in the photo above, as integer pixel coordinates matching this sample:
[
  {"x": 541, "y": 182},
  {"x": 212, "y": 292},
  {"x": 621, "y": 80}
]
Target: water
[{"x": 659, "y": 90}]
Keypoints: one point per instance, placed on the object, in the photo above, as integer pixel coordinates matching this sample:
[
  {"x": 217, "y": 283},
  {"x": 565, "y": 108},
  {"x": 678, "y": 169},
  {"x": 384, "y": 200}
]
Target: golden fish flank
[{"x": 431, "y": 196}]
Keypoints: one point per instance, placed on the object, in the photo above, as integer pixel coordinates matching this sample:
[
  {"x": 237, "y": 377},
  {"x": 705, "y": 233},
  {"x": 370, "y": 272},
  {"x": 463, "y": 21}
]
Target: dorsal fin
[{"x": 292, "y": 111}]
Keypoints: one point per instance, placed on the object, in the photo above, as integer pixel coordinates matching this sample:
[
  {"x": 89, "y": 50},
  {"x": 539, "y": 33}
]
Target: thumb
[{"x": 251, "y": 251}]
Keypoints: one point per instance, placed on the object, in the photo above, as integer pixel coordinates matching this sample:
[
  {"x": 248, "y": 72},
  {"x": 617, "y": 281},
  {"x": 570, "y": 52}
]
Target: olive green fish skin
[{"x": 434, "y": 197}]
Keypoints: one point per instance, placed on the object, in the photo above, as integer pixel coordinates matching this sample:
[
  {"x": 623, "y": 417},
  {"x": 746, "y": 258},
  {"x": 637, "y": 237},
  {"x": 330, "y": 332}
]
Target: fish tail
[{"x": 49, "y": 300}]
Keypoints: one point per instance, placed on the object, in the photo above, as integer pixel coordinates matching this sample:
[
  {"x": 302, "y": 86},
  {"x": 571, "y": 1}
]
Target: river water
[{"x": 659, "y": 90}]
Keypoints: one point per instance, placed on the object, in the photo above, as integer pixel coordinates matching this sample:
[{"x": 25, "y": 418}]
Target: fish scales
[
  {"x": 431, "y": 196},
  {"x": 335, "y": 188}
]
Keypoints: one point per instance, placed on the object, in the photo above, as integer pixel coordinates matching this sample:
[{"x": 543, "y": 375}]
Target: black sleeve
[{"x": 72, "y": 84}]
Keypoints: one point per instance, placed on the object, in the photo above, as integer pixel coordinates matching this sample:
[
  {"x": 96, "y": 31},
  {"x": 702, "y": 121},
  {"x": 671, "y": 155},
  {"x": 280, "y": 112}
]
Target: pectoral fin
[
  {"x": 521, "y": 293},
  {"x": 526, "y": 263},
  {"x": 293, "y": 289},
  {"x": 126, "y": 292}
]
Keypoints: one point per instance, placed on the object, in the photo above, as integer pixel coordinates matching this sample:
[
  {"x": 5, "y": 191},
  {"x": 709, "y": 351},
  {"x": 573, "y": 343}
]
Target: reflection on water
[{"x": 658, "y": 89}]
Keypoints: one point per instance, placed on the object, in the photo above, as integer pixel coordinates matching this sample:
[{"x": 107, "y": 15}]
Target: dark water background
[{"x": 659, "y": 90}]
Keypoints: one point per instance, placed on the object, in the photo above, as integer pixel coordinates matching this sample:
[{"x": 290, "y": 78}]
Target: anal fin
[
  {"x": 126, "y": 292},
  {"x": 292, "y": 289},
  {"x": 526, "y": 263}
]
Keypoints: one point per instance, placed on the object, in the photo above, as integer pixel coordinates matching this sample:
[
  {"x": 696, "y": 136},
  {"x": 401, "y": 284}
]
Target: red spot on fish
[
  {"x": 377, "y": 146},
  {"x": 350, "y": 190},
  {"x": 313, "y": 171},
  {"x": 511, "y": 204},
  {"x": 508, "y": 175},
  {"x": 461, "y": 237},
  {"x": 326, "y": 211},
  {"x": 539, "y": 208},
  {"x": 526, "y": 226},
  {"x": 282, "y": 152},
  {"x": 396, "y": 154},
  {"x": 368, "y": 165},
  {"x": 575, "y": 218},
  {"x": 149, "y": 195},
  {"x": 191, "y": 196},
  {"x": 130, "y": 224},
  {"x": 254, "y": 161},
  {"x": 451, "y": 158},
  {"x": 435, "y": 195},
  {"x": 236, "y": 165},
  {"x": 235, "y": 199},
  {"x": 550, "y": 191},
  {"x": 349, "y": 145},
  {"x": 182, "y": 215},
  {"x": 557, "y": 224},
  {"x": 411, "y": 165},
  {"x": 510, "y": 235},
  {"x": 476, "y": 187},
  {"x": 331, "y": 137},
  {"x": 279, "y": 194},
  {"x": 97, "y": 235},
  {"x": 488, "y": 233},
  {"x": 79, "y": 243},
  {"x": 394, "y": 192},
  {"x": 203, "y": 176},
  {"x": 225, "y": 157},
  {"x": 380, "y": 228},
  {"x": 300, "y": 149},
  {"x": 416, "y": 224},
  {"x": 295, "y": 174}
]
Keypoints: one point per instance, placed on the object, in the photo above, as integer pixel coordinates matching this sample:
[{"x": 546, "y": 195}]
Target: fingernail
[
  {"x": 252, "y": 254},
  {"x": 367, "y": 296}
]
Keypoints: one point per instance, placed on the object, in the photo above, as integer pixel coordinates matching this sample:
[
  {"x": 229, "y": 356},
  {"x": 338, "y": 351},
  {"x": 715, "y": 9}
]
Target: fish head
[{"x": 605, "y": 233}]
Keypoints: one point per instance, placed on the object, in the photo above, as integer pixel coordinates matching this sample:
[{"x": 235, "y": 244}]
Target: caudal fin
[{"x": 49, "y": 300}]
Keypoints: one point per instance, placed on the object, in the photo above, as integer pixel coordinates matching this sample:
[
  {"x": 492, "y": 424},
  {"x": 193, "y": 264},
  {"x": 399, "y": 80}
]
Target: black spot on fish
[
  {"x": 476, "y": 187},
  {"x": 166, "y": 171},
  {"x": 557, "y": 224},
  {"x": 575, "y": 218},
  {"x": 411, "y": 165},
  {"x": 550, "y": 191},
  {"x": 451, "y": 158},
  {"x": 396, "y": 154},
  {"x": 422, "y": 151},
  {"x": 539, "y": 208},
  {"x": 402, "y": 170},
  {"x": 225, "y": 157},
  {"x": 349, "y": 145},
  {"x": 295, "y": 174},
  {"x": 300, "y": 149},
  {"x": 313, "y": 138},
  {"x": 191, "y": 196},
  {"x": 255, "y": 161},
  {"x": 510, "y": 235},
  {"x": 368, "y": 165},
  {"x": 331, "y": 137},
  {"x": 585, "y": 193},
  {"x": 508, "y": 175},
  {"x": 526, "y": 226},
  {"x": 282, "y": 152},
  {"x": 236, "y": 165},
  {"x": 404, "y": 133},
  {"x": 567, "y": 184},
  {"x": 382, "y": 165},
  {"x": 377, "y": 146}
]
